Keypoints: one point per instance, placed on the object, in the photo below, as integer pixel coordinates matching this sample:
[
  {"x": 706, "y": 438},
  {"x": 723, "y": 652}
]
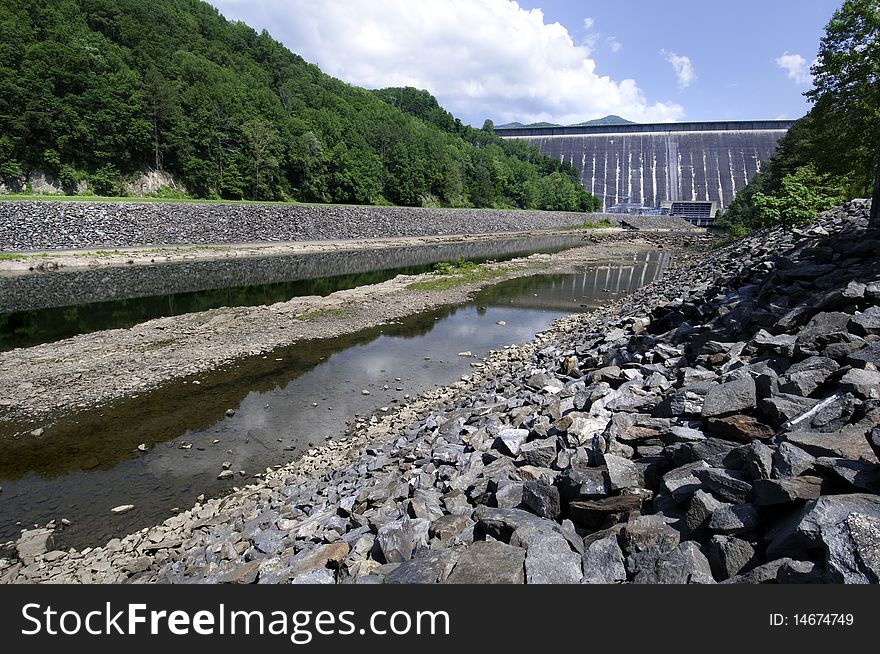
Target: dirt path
[{"x": 94, "y": 369}]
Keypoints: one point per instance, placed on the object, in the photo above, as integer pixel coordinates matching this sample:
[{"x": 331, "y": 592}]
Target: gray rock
[
  {"x": 622, "y": 473},
  {"x": 396, "y": 540},
  {"x": 730, "y": 556},
  {"x": 849, "y": 444},
  {"x": 806, "y": 376},
  {"x": 322, "y": 558},
  {"x": 791, "y": 461},
  {"x": 735, "y": 519},
  {"x": 594, "y": 513},
  {"x": 739, "y": 428},
  {"x": 539, "y": 453},
  {"x": 685, "y": 564},
  {"x": 853, "y": 550},
  {"x": 860, "y": 474},
  {"x": 700, "y": 510},
  {"x": 584, "y": 483},
  {"x": 431, "y": 567},
  {"x": 648, "y": 532},
  {"x": 509, "y": 495},
  {"x": 512, "y": 439},
  {"x": 767, "y": 492},
  {"x": 866, "y": 356},
  {"x": 489, "y": 562},
  {"x": 603, "y": 562},
  {"x": 33, "y": 543},
  {"x": 726, "y": 484},
  {"x": 682, "y": 482},
  {"x": 542, "y": 499},
  {"x": 730, "y": 398},
  {"x": 756, "y": 460},
  {"x": 450, "y": 525},
  {"x": 804, "y": 529},
  {"x": 867, "y": 322},
  {"x": 550, "y": 560},
  {"x": 862, "y": 383},
  {"x": 681, "y": 435},
  {"x": 779, "y": 409}
]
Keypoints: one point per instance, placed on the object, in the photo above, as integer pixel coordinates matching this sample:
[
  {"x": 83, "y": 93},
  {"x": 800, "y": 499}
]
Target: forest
[{"x": 98, "y": 91}]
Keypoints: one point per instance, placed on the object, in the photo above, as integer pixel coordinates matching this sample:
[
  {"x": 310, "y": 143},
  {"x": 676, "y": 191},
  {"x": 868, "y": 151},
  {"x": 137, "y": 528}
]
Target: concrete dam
[{"x": 654, "y": 165}]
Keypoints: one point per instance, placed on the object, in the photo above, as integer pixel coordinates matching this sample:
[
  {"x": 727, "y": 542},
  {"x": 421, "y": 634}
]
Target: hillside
[{"x": 99, "y": 90}]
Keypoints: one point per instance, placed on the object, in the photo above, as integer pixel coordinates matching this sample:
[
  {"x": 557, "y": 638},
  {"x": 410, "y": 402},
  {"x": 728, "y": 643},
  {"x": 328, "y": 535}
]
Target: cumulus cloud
[
  {"x": 588, "y": 23},
  {"x": 481, "y": 58},
  {"x": 614, "y": 44},
  {"x": 684, "y": 69},
  {"x": 796, "y": 67}
]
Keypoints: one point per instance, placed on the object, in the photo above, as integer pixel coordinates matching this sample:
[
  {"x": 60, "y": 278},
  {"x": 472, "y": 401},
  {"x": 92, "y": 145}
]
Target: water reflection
[{"x": 44, "y": 307}]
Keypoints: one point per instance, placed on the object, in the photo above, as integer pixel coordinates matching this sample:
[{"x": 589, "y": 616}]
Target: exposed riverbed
[{"x": 284, "y": 403}]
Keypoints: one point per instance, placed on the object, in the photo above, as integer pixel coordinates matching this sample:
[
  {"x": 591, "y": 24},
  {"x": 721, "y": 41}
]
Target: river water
[{"x": 285, "y": 402}]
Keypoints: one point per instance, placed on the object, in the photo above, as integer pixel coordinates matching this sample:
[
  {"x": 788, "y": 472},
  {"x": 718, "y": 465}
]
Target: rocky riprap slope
[
  {"x": 723, "y": 426},
  {"x": 53, "y": 225}
]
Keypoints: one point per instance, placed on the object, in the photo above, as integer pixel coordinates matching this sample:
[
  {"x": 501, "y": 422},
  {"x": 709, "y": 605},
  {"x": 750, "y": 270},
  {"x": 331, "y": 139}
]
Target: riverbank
[
  {"x": 58, "y": 225},
  {"x": 91, "y": 370},
  {"x": 720, "y": 425}
]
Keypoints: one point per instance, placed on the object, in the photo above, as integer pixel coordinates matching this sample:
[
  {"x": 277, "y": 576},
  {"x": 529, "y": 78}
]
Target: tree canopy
[{"x": 98, "y": 90}]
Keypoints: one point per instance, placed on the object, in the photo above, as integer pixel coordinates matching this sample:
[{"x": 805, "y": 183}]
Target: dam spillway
[{"x": 648, "y": 164}]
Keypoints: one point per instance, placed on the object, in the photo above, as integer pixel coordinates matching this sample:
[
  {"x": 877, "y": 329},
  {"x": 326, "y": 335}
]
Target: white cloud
[
  {"x": 614, "y": 44},
  {"x": 588, "y": 23},
  {"x": 684, "y": 69},
  {"x": 481, "y": 58},
  {"x": 796, "y": 67}
]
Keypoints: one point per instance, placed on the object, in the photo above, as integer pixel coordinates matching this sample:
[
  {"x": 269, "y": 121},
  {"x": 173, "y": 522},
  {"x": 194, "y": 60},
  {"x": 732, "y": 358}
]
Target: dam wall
[{"x": 652, "y": 163}]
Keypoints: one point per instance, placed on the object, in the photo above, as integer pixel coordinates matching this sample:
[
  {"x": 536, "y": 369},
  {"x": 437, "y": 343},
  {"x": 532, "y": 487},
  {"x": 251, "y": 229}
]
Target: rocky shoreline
[{"x": 720, "y": 425}]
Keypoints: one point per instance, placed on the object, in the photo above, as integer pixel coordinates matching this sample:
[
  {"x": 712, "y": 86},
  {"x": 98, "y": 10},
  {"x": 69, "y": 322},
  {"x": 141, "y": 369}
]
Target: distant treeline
[{"x": 98, "y": 90}]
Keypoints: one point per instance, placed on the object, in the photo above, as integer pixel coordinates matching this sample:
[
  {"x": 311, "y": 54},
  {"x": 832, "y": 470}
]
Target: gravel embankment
[
  {"x": 53, "y": 225},
  {"x": 721, "y": 425}
]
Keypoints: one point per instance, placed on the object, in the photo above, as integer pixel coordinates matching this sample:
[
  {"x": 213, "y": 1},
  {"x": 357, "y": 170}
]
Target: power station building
[{"x": 687, "y": 169}]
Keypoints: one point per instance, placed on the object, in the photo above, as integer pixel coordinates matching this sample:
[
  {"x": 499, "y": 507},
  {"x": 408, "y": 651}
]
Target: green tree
[{"x": 804, "y": 193}]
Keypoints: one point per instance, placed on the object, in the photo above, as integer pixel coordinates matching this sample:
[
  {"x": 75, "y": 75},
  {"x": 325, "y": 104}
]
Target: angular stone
[
  {"x": 755, "y": 460},
  {"x": 622, "y": 473},
  {"x": 779, "y": 409},
  {"x": 681, "y": 435},
  {"x": 767, "y": 492},
  {"x": 791, "y": 461},
  {"x": 726, "y": 484},
  {"x": 396, "y": 540},
  {"x": 603, "y": 562},
  {"x": 540, "y": 453},
  {"x": 700, "y": 510},
  {"x": 782, "y": 344},
  {"x": 324, "y": 556},
  {"x": 730, "y": 556},
  {"x": 681, "y": 403},
  {"x": 867, "y": 322},
  {"x": 513, "y": 524},
  {"x": 866, "y": 357},
  {"x": 685, "y": 564},
  {"x": 853, "y": 550},
  {"x": 815, "y": 332},
  {"x": 242, "y": 574},
  {"x": 682, "y": 482},
  {"x": 542, "y": 499},
  {"x": 489, "y": 562},
  {"x": 862, "y": 383},
  {"x": 803, "y": 530},
  {"x": 739, "y": 428},
  {"x": 509, "y": 495},
  {"x": 592, "y": 513},
  {"x": 730, "y": 398},
  {"x": 450, "y": 525},
  {"x": 584, "y": 483},
  {"x": 648, "y": 532},
  {"x": 733, "y": 520},
  {"x": 33, "y": 543},
  {"x": 427, "y": 568},
  {"x": 806, "y": 376},
  {"x": 860, "y": 474},
  {"x": 850, "y": 444},
  {"x": 550, "y": 560},
  {"x": 512, "y": 439},
  {"x": 584, "y": 428}
]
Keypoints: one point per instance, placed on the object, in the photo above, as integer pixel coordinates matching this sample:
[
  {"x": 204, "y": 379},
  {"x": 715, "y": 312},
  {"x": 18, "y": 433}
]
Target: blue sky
[{"x": 563, "y": 61}]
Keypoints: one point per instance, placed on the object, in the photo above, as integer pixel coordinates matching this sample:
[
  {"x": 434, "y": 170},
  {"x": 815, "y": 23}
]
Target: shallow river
[{"x": 292, "y": 399}]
